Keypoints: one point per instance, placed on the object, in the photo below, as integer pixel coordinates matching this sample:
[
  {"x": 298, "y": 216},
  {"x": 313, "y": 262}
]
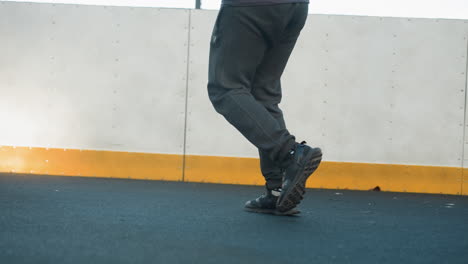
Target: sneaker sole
[
  {"x": 273, "y": 211},
  {"x": 293, "y": 196}
]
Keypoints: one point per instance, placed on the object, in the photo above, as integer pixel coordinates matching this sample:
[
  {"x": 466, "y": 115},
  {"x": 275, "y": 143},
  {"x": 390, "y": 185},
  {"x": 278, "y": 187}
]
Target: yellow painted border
[
  {"x": 333, "y": 175},
  {"x": 229, "y": 170},
  {"x": 226, "y": 170},
  {"x": 389, "y": 177},
  {"x": 91, "y": 163}
]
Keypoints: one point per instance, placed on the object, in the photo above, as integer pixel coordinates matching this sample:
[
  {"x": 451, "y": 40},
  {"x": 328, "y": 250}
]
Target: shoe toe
[{"x": 249, "y": 204}]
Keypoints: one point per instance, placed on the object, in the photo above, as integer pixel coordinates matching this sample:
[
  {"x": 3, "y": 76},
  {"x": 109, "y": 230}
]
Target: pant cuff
[{"x": 273, "y": 184}]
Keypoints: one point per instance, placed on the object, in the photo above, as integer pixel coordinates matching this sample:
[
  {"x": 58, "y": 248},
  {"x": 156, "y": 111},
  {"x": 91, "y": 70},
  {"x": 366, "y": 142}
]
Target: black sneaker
[
  {"x": 305, "y": 160},
  {"x": 266, "y": 204}
]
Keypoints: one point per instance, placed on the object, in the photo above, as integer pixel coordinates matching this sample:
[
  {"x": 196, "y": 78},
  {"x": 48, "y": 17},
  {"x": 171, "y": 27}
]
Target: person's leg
[
  {"x": 270, "y": 169},
  {"x": 241, "y": 38},
  {"x": 267, "y": 90}
]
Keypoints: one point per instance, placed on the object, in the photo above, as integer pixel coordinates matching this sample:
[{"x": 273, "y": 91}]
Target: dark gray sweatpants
[{"x": 249, "y": 49}]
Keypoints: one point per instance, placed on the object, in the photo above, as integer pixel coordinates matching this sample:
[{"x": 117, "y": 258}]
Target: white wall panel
[
  {"x": 365, "y": 89},
  {"x": 93, "y": 77},
  {"x": 379, "y": 90},
  {"x": 208, "y": 133}
]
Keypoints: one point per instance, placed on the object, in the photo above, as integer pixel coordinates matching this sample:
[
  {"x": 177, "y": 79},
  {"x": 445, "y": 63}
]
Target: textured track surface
[{"x": 46, "y": 219}]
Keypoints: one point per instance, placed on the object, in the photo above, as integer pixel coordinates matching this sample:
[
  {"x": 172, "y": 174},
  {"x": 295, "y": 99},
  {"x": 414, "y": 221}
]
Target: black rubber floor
[{"x": 47, "y": 219}]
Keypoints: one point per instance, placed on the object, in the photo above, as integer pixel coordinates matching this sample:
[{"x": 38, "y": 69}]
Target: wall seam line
[
  {"x": 186, "y": 93},
  {"x": 464, "y": 119}
]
